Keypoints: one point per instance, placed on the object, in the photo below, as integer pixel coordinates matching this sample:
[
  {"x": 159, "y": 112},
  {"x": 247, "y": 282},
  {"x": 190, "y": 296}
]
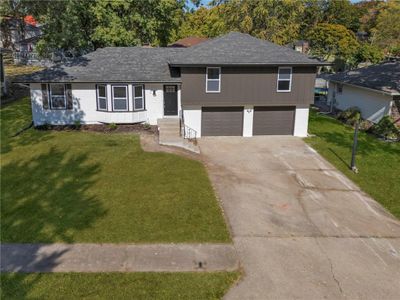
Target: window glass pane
[
  {"x": 139, "y": 103},
  {"x": 119, "y": 92},
  {"x": 103, "y": 103},
  {"x": 138, "y": 91},
  {"x": 283, "y": 85},
  {"x": 57, "y": 102},
  {"x": 213, "y": 73},
  {"x": 170, "y": 89},
  {"x": 212, "y": 86},
  {"x": 57, "y": 89},
  {"x": 120, "y": 104},
  {"x": 284, "y": 73},
  {"x": 102, "y": 91}
]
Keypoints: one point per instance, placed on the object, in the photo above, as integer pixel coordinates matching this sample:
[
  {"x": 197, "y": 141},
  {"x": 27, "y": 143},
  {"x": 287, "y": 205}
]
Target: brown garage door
[
  {"x": 269, "y": 120},
  {"x": 222, "y": 121}
]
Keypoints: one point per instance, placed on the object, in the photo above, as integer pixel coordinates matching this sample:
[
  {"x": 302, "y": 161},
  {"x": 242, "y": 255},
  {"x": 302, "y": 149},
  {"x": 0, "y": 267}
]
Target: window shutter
[
  {"x": 45, "y": 96},
  {"x": 68, "y": 91}
]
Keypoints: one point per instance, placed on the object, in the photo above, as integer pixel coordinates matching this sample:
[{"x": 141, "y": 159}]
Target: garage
[
  {"x": 222, "y": 121},
  {"x": 273, "y": 120}
]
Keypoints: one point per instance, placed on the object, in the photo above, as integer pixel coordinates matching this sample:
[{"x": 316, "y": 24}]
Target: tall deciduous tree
[
  {"x": 332, "y": 40},
  {"x": 274, "y": 20},
  {"x": 203, "y": 22},
  {"x": 386, "y": 34},
  {"x": 134, "y": 22}
]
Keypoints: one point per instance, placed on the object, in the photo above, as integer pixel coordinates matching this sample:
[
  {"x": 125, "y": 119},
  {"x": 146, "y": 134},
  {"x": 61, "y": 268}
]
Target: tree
[
  {"x": 70, "y": 30},
  {"x": 332, "y": 40},
  {"x": 343, "y": 12},
  {"x": 368, "y": 53},
  {"x": 203, "y": 22},
  {"x": 273, "y": 20},
  {"x": 386, "y": 34},
  {"x": 135, "y": 22}
]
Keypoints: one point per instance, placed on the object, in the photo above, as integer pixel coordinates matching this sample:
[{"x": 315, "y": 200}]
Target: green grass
[
  {"x": 378, "y": 162},
  {"x": 95, "y": 187},
  {"x": 116, "y": 285}
]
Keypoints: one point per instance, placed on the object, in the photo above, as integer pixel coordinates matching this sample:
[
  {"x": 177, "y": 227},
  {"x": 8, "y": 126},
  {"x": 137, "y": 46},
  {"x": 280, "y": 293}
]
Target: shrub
[
  {"x": 146, "y": 126},
  {"x": 112, "y": 126},
  {"x": 350, "y": 116},
  {"x": 386, "y": 128},
  {"x": 77, "y": 124}
]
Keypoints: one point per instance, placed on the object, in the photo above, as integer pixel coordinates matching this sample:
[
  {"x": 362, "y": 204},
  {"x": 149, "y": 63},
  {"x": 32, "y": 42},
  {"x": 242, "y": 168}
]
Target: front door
[{"x": 170, "y": 100}]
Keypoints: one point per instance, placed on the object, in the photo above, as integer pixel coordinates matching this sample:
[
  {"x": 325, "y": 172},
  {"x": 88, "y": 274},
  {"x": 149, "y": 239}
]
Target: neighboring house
[
  {"x": 188, "y": 42},
  {"x": 231, "y": 85},
  {"x": 300, "y": 46},
  {"x": 375, "y": 90}
]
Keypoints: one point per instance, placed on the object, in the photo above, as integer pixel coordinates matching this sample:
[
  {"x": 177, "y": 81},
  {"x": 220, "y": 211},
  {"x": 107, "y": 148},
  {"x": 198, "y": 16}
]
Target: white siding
[
  {"x": 248, "y": 114},
  {"x": 192, "y": 117},
  {"x": 85, "y": 106},
  {"x": 373, "y": 105},
  {"x": 301, "y": 122}
]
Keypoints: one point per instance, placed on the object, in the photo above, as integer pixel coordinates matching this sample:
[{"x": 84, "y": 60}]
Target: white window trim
[
  {"x": 134, "y": 97},
  {"x": 290, "y": 80},
  {"x": 51, "y": 97},
  {"x": 219, "y": 80},
  {"x": 125, "y": 98},
  {"x": 98, "y": 97}
]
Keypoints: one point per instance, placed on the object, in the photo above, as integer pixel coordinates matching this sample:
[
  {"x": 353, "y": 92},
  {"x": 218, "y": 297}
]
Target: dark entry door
[{"x": 170, "y": 100}]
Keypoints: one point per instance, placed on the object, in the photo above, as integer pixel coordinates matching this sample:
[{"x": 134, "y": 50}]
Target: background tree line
[{"x": 353, "y": 32}]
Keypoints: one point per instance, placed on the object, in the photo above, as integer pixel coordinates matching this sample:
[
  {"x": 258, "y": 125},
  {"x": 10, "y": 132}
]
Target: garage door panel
[
  {"x": 222, "y": 121},
  {"x": 273, "y": 120}
]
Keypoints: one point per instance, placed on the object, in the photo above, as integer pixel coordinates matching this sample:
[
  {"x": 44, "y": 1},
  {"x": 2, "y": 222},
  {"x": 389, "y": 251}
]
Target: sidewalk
[{"x": 118, "y": 257}]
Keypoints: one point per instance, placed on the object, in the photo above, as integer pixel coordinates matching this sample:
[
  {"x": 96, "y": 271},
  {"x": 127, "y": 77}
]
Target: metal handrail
[{"x": 185, "y": 131}]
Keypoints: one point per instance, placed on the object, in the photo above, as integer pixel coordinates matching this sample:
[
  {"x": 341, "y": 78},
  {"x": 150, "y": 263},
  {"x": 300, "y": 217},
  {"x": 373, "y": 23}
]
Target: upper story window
[
  {"x": 213, "y": 80},
  {"x": 138, "y": 97},
  {"x": 102, "y": 97},
  {"x": 120, "y": 97},
  {"x": 284, "y": 79},
  {"x": 58, "y": 98}
]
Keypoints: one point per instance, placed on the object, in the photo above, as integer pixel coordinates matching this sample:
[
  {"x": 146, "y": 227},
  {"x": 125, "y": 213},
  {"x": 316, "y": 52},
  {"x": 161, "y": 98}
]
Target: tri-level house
[{"x": 233, "y": 85}]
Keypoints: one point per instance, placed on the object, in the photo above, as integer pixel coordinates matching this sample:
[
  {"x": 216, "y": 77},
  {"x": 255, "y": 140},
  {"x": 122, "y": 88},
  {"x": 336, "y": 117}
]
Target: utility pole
[{"x": 353, "y": 153}]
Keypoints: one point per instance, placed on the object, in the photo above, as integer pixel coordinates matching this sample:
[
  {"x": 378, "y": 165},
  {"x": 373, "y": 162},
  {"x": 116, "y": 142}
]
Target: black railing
[{"x": 185, "y": 131}]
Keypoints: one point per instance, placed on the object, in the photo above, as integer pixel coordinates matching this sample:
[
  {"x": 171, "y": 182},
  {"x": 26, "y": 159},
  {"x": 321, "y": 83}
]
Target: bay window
[
  {"x": 120, "y": 98},
  {"x": 138, "y": 97},
  {"x": 102, "y": 97}
]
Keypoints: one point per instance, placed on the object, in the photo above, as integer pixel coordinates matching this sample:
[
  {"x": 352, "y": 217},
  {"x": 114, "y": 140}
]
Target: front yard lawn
[
  {"x": 378, "y": 162},
  {"x": 117, "y": 285},
  {"x": 102, "y": 188}
]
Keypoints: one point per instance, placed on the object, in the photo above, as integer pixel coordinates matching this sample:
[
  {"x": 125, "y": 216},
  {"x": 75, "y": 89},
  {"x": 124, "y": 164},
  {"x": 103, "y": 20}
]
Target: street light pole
[{"x": 353, "y": 153}]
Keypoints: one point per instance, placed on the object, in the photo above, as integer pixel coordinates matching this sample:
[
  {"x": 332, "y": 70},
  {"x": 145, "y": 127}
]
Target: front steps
[{"x": 168, "y": 129}]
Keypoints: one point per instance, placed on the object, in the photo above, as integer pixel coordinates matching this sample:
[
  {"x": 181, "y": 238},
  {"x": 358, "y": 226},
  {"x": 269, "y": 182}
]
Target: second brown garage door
[
  {"x": 273, "y": 120},
  {"x": 222, "y": 121}
]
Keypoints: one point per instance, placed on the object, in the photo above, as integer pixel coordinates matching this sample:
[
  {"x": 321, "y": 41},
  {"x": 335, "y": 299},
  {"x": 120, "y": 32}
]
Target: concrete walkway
[
  {"x": 169, "y": 135},
  {"x": 302, "y": 229},
  {"x": 118, "y": 258}
]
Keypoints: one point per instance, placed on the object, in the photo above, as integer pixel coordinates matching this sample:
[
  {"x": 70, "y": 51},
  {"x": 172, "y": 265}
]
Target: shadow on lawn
[{"x": 45, "y": 199}]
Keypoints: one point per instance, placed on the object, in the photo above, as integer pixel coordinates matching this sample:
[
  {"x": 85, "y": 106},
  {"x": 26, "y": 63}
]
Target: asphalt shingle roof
[
  {"x": 112, "y": 64},
  {"x": 383, "y": 77},
  {"x": 241, "y": 49},
  {"x": 140, "y": 64}
]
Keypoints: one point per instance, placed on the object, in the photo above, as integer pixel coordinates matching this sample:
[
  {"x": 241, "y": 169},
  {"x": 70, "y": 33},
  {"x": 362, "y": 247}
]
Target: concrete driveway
[{"x": 302, "y": 229}]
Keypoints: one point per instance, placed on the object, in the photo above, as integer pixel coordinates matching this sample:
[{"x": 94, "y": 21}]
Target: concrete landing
[
  {"x": 118, "y": 258},
  {"x": 169, "y": 135}
]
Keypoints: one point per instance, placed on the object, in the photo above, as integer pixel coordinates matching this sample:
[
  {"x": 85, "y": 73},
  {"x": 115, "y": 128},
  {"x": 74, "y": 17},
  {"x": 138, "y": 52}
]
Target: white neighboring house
[
  {"x": 215, "y": 87},
  {"x": 375, "y": 90}
]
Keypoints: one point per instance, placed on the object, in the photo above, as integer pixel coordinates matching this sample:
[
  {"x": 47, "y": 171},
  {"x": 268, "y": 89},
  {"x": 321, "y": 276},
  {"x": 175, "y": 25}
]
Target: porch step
[{"x": 169, "y": 135}]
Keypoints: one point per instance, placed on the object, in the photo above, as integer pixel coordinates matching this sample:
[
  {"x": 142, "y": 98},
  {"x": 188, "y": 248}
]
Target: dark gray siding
[{"x": 247, "y": 86}]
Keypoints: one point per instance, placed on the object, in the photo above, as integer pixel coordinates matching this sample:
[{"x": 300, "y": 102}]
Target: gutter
[{"x": 252, "y": 64}]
